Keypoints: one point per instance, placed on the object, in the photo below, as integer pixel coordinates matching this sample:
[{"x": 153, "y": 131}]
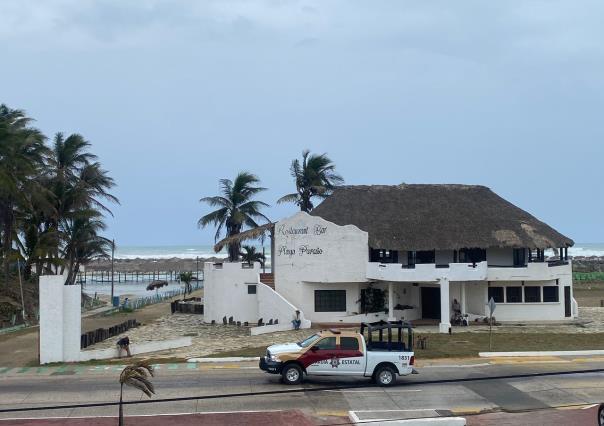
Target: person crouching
[{"x": 123, "y": 344}]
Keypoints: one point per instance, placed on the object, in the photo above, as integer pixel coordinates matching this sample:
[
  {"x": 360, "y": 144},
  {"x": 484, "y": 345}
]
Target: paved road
[{"x": 442, "y": 389}]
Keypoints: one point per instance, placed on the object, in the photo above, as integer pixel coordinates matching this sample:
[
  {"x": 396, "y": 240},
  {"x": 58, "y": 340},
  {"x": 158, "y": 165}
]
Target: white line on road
[{"x": 372, "y": 391}]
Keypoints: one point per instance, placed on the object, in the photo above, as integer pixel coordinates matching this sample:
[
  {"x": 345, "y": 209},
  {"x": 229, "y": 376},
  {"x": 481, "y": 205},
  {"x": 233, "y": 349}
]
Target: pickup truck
[{"x": 346, "y": 353}]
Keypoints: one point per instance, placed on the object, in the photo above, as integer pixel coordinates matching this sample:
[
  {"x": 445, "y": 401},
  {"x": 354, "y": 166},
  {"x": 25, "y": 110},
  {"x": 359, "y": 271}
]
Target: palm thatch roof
[
  {"x": 250, "y": 234},
  {"x": 440, "y": 217},
  {"x": 154, "y": 285}
]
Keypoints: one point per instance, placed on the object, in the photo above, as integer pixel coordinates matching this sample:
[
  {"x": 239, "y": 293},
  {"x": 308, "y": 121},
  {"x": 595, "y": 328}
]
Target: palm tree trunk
[
  {"x": 121, "y": 409},
  {"x": 6, "y": 243}
]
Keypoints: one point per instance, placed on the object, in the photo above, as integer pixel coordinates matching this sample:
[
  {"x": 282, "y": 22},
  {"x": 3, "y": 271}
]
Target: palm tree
[
  {"x": 187, "y": 277},
  {"x": 315, "y": 176},
  {"x": 250, "y": 255},
  {"x": 236, "y": 209},
  {"x": 22, "y": 152},
  {"x": 136, "y": 375}
]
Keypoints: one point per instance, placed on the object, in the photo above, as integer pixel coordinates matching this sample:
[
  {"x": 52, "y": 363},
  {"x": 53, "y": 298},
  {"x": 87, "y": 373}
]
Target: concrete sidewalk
[
  {"x": 586, "y": 416},
  {"x": 250, "y": 418}
]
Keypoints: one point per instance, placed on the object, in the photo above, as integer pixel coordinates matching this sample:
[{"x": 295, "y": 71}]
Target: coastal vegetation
[
  {"x": 250, "y": 255},
  {"x": 315, "y": 177},
  {"x": 137, "y": 376},
  {"x": 53, "y": 198},
  {"x": 236, "y": 209}
]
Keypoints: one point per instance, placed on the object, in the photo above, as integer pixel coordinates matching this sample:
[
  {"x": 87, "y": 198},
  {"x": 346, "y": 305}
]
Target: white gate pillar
[
  {"x": 445, "y": 314},
  {"x": 463, "y": 298}
]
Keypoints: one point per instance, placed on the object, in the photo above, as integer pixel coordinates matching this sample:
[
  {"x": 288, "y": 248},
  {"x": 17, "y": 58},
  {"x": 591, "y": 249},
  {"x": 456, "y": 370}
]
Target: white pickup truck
[{"x": 347, "y": 353}]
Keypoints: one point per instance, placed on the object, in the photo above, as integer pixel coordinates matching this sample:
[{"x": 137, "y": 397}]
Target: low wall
[
  {"x": 271, "y": 305},
  {"x": 136, "y": 349}
]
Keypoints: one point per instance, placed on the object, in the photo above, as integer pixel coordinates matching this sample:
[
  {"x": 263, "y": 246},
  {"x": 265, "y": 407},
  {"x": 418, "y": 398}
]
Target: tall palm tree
[
  {"x": 137, "y": 376},
  {"x": 22, "y": 152},
  {"x": 251, "y": 255},
  {"x": 315, "y": 176},
  {"x": 236, "y": 209}
]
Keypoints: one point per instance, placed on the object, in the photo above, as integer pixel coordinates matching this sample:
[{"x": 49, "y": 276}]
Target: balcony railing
[{"x": 427, "y": 272}]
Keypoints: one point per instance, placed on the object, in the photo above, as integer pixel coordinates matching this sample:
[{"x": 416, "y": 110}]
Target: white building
[{"x": 408, "y": 250}]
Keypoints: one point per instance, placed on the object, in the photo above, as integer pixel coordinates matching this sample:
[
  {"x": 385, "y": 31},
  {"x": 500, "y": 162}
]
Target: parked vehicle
[
  {"x": 601, "y": 415},
  {"x": 381, "y": 350}
]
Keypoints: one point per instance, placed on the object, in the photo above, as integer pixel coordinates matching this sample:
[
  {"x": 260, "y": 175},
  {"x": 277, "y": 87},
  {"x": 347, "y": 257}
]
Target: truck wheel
[
  {"x": 385, "y": 376},
  {"x": 291, "y": 374}
]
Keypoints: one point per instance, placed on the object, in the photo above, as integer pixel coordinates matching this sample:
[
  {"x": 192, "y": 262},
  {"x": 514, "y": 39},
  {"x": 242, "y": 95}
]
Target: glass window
[
  {"x": 309, "y": 341},
  {"x": 550, "y": 294},
  {"x": 326, "y": 343},
  {"x": 349, "y": 343},
  {"x": 496, "y": 293},
  {"x": 532, "y": 294},
  {"x": 251, "y": 289},
  {"x": 513, "y": 294},
  {"x": 330, "y": 300}
]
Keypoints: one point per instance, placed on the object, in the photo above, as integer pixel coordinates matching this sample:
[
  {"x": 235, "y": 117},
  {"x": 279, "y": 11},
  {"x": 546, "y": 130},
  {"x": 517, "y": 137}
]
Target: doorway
[
  {"x": 567, "y": 307},
  {"x": 430, "y": 302}
]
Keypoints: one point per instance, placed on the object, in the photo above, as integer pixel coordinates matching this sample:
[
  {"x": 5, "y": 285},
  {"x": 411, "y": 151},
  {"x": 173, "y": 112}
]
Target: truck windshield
[{"x": 309, "y": 341}]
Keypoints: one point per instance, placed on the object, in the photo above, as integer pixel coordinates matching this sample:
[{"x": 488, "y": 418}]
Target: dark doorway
[
  {"x": 567, "y": 308},
  {"x": 431, "y": 302}
]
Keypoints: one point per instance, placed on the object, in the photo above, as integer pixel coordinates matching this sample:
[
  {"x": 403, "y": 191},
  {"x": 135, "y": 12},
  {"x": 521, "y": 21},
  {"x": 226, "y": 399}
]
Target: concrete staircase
[{"x": 268, "y": 279}]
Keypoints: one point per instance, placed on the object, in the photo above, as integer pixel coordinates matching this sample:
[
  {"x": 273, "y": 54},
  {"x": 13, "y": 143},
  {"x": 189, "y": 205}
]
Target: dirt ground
[
  {"x": 589, "y": 294},
  {"x": 21, "y": 348}
]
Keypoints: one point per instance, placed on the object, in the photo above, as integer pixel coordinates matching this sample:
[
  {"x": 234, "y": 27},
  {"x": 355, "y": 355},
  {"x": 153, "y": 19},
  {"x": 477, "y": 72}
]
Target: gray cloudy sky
[{"x": 177, "y": 94}]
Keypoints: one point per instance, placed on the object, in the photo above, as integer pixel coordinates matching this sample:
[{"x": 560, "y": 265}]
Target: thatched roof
[
  {"x": 427, "y": 217},
  {"x": 250, "y": 234}
]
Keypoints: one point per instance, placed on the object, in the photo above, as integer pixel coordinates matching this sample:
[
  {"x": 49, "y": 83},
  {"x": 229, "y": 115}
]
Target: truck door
[
  {"x": 318, "y": 359},
  {"x": 351, "y": 359}
]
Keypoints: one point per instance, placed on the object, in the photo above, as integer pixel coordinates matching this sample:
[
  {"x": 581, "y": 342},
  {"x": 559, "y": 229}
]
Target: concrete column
[
  {"x": 445, "y": 314},
  {"x": 463, "y": 297},
  {"x": 390, "y": 303}
]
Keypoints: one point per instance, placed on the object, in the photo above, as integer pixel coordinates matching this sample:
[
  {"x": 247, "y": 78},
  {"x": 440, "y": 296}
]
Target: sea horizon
[{"x": 192, "y": 251}]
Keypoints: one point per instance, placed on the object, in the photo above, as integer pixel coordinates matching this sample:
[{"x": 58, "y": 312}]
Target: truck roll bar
[{"x": 388, "y": 345}]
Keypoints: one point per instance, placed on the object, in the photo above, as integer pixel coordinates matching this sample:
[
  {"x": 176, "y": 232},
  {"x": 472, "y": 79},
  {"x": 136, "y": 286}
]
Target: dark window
[
  {"x": 472, "y": 255},
  {"x": 251, "y": 289},
  {"x": 349, "y": 343},
  {"x": 383, "y": 256},
  {"x": 550, "y": 294},
  {"x": 519, "y": 257},
  {"x": 425, "y": 256},
  {"x": 326, "y": 343},
  {"x": 330, "y": 300},
  {"x": 496, "y": 293},
  {"x": 513, "y": 294},
  {"x": 532, "y": 294}
]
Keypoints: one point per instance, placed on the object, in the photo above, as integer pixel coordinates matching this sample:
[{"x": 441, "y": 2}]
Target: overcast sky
[{"x": 177, "y": 94}]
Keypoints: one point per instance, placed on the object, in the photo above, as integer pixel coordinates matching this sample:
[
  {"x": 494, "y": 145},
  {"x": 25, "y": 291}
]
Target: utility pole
[
  {"x": 112, "y": 261},
  {"x": 21, "y": 286},
  {"x": 197, "y": 269}
]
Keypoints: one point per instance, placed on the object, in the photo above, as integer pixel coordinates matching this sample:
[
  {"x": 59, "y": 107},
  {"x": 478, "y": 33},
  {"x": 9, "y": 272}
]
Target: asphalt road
[{"x": 442, "y": 389}]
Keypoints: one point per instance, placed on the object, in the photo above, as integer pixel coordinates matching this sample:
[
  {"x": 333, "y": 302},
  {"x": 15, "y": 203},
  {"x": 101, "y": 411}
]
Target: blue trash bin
[{"x": 116, "y": 301}]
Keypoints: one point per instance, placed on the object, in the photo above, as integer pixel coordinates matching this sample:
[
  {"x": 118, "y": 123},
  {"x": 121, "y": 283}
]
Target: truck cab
[{"x": 381, "y": 350}]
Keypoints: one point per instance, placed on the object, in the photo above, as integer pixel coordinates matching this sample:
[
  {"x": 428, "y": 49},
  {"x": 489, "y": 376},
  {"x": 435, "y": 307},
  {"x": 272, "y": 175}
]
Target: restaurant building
[{"x": 407, "y": 252}]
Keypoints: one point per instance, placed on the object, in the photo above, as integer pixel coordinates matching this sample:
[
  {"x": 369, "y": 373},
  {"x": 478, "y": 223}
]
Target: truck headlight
[{"x": 274, "y": 358}]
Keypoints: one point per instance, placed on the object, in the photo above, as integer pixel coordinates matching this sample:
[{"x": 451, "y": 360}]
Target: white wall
[
  {"x": 500, "y": 256},
  {"x": 271, "y": 305},
  {"x": 312, "y": 253},
  {"x": 226, "y": 292},
  {"x": 60, "y": 320}
]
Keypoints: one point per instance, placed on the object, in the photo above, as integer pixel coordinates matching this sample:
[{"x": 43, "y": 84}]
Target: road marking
[
  {"x": 191, "y": 366},
  {"x": 172, "y": 366},
  {"x": 24, "y": 370},
  {"x": 484, "y": 364},
  {"x": 372, "y": 391}
]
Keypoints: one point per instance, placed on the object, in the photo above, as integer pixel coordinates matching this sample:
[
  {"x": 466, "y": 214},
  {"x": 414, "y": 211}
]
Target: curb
[
  {"x": 226, "y": 359},
  {"x": 538, "y": 353}
]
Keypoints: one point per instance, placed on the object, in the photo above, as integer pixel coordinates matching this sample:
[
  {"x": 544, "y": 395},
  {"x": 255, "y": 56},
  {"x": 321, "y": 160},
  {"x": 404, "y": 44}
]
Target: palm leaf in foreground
[{"x": 138, "y": 376}]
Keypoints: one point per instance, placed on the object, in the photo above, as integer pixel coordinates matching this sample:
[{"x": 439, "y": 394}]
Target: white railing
[
  {"x": 530, "y": 272},
  {"x": 428, "y": 272}
]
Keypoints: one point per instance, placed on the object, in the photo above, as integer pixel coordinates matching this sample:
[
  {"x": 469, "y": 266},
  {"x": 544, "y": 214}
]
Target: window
[
  {"x": 309, "y": 341},
  {"x": 472, "y": 255},
  {"x": 532, "y": 294},
  {"x": 513, "y": 294},
  {"x": 330, "y": 300},
  {"x": 326, "y": 344},
  {"x": 427, "y": 256},
  {"x": 383, "y": 256},
  {"x": 349, "y": 343},
  {"x": 519, "y": 257},
  {"x": 251, "y": 289},
  {"x": 550, "y": 294},
  {"x": 496, "y": 293}
]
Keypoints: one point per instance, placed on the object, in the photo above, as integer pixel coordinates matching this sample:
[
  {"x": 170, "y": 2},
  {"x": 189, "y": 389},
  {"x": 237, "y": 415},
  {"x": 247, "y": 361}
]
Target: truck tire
[
  {"x": 385, "y": 376},
  {"x": 601, "y": 415},
  {"x": 291, "y": 374}
]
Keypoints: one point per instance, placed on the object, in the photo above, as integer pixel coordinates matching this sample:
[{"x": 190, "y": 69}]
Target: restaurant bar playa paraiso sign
[{"x": 291, "y": 232}]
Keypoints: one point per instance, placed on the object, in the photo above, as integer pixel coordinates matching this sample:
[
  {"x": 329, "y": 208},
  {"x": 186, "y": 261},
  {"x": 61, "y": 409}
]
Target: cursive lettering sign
[{"x": 303, "y": 250}]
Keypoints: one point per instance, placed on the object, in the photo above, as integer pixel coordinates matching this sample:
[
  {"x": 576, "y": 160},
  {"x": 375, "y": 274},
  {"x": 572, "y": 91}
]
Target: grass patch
[
  {"x": 470, "y": 344},
  {"x": 117, "y": 361},
  {"x": 588, "y": 294}
]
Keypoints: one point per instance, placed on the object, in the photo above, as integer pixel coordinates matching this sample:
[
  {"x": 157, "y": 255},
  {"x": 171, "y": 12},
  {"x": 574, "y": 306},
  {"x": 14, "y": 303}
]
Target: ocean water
[{"x": 193, "y": 251}]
